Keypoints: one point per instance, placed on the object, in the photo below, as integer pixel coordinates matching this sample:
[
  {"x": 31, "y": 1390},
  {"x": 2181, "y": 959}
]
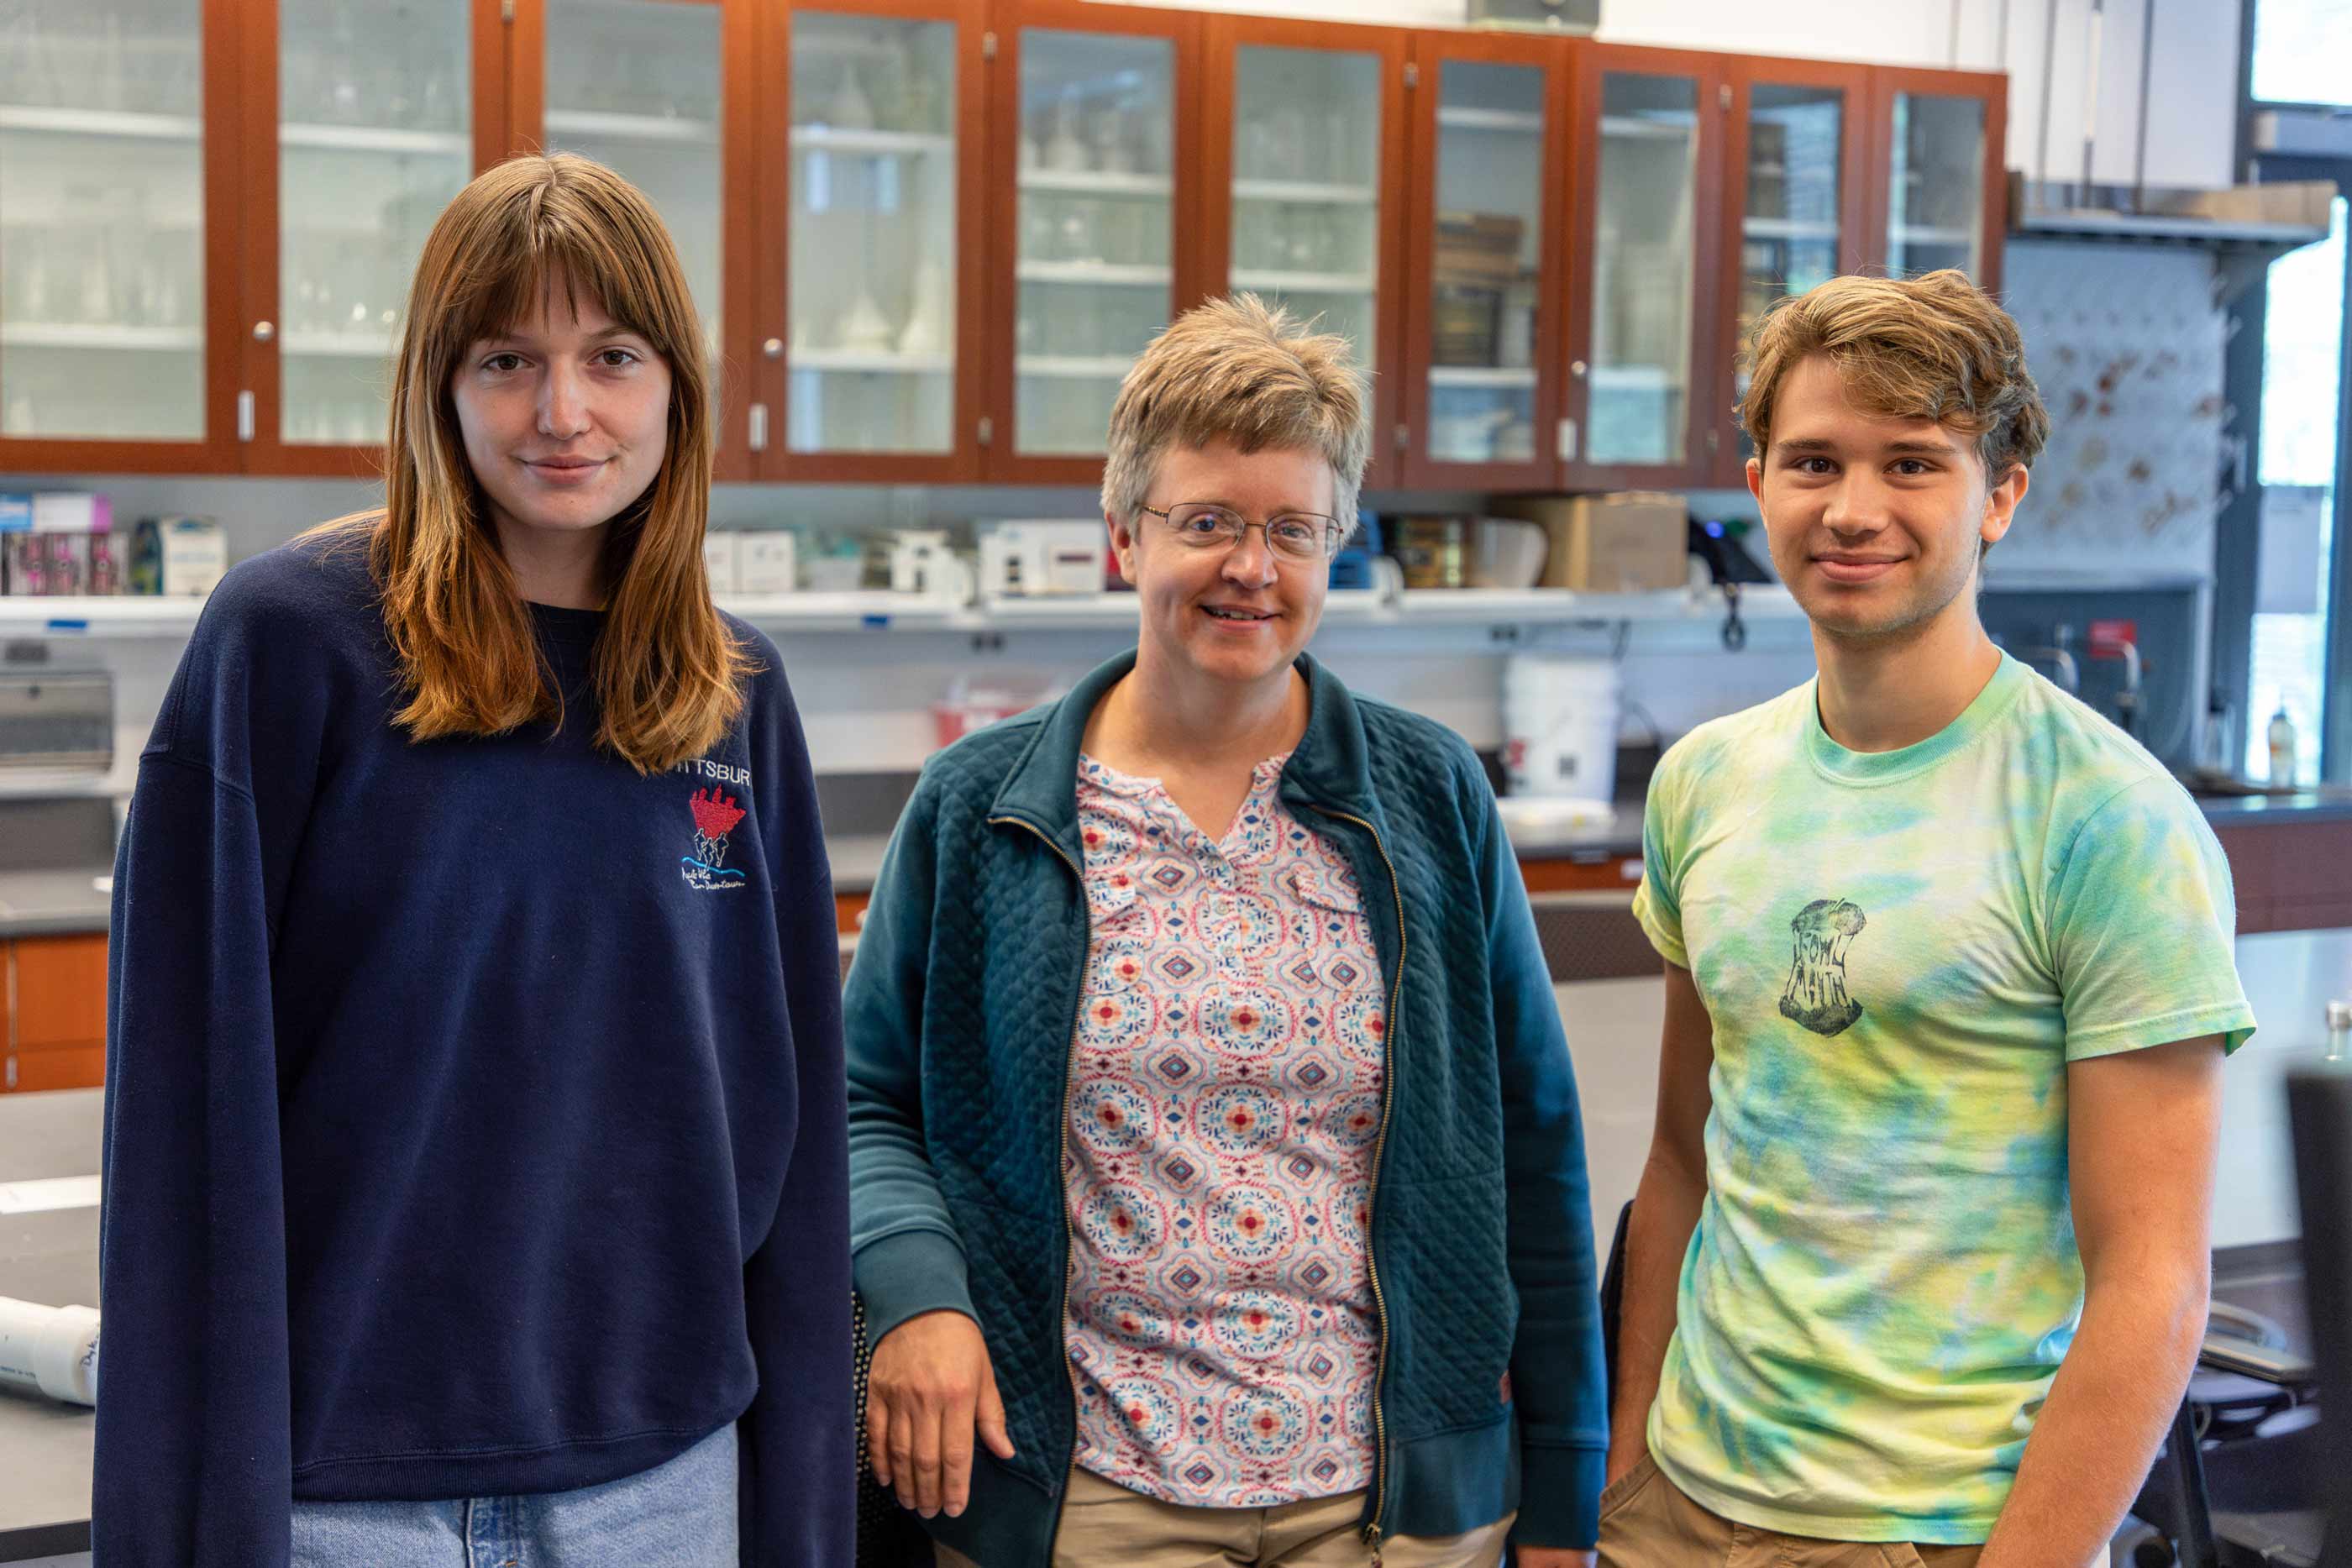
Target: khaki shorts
[
  {"x": 1647, "y": 1521},
  {"x": 1104, "y": 1525}
]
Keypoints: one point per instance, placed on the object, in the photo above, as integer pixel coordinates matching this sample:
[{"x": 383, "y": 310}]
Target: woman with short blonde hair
[
  {"x": 475, "y": 1173},
  {"x": 1221, "y": 1197}
]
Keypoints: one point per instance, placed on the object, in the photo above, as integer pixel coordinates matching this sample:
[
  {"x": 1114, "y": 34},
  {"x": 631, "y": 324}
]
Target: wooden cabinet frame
[
  {"x": 1992, "y": 88},
  {"x": 488, "y": 62},
  {"x": 1225, "y": 37},
  {"x": 508, "y": 62},
  {"x": 224, "y": 26},
  {"x": 768, "y": 311},
  {"x": 1557, "y": 279},
  {"x": 1858, "y": 113},
  {"x": 1710, "y": 75},
  {"x": 1000, "y": 458}
]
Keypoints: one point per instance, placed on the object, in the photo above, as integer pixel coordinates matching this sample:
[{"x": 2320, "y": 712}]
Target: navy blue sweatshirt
[{"x": 474, "y": 1109}]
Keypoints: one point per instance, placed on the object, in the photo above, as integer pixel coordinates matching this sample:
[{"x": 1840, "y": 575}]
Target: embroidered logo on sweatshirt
[{"x": 715, "y": 816}]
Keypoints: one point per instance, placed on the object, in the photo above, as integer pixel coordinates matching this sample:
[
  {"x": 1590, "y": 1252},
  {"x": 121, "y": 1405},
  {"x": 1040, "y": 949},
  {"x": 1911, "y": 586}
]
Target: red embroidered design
[{"x": 715, "y": 816}]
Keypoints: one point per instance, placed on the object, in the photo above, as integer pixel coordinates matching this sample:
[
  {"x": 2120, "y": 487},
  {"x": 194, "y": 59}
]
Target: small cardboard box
[{"x": 1635, "y": 541}]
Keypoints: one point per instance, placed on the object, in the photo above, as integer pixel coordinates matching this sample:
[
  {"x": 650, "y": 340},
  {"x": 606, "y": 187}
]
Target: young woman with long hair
[{"x": 475, "y": 1170}]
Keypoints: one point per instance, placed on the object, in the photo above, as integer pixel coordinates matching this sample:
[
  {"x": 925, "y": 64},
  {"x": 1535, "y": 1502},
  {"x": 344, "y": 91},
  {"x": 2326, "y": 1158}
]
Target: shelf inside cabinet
[
  {"x": 1127, "y": 274},
  {"x": 832, "y": 139},
  {"x": 1096, "y": 183},
  {"x": 1074, "y": 367},
  {"x": 1304, "y": 192},
  {"x": 337, "y": 345},
  {"x": 1518, "y": 122},
  {"x": 376, "y": 139},
  {"x": 1277, "y": 281},
  {"x": 1499, "y": 376},
  {"x": 887, "y": 361},
  {"x": 603, "y": 125},
  {"x": 1633, "y": 127},
  {"x": 100, "y": 122},
  {"x": 101, "y": 335},
  {"x": 1789, "y": 228},
  {"x": 1925, "y": 233}
]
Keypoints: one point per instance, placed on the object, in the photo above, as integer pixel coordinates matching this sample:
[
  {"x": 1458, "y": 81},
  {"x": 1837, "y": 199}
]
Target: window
[
  {"x": 2300, "y": 49},
  {"x": 2301, "y": 347}
]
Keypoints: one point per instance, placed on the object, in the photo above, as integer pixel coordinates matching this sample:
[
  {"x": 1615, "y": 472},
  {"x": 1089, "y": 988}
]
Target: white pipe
[{"x": 50, "y": 1350}]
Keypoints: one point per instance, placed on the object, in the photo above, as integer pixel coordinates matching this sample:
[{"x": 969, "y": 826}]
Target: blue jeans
[{"x": 677, "y": 1515}]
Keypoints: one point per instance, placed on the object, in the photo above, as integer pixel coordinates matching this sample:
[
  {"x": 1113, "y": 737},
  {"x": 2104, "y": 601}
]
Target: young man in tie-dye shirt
[{"x": 1918, "y": 1266}]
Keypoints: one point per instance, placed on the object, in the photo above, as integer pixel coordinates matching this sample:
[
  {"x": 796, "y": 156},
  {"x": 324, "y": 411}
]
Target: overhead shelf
[
  {"x": 337, "y": 345},
  {"x": 1074, "y": 367},
  {"x": 138, "y": 616}
]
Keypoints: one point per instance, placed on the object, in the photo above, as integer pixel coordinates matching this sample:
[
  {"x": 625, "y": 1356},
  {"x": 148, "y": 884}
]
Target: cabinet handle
[
  {"x": 1577, "y": 368},
  {"x": 11, "y": 1073},
  {"x": 774, "y": 348},
  {"x": 987, "y": 430},
  {"x": 1404, "y": 437},
  {"x": 759, "y": 427},
  {"x": 244, "y": 416},
  {"x": 263, "y": 332},
  {"x": 1566, "y": 441}
]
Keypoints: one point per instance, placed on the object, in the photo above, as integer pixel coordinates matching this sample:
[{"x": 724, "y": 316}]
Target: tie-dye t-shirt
[{"x": 1901, "y": 951}]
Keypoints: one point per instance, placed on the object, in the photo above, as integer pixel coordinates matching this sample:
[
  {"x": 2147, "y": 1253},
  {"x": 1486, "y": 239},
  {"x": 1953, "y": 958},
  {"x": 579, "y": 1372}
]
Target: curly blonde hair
[
  {"x": 1935, "y": 347},
  {"x": 1243, "y": 372}
]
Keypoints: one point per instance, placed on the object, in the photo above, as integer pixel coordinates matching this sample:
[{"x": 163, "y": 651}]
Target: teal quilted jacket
[{"x": 959, "y": 1011}]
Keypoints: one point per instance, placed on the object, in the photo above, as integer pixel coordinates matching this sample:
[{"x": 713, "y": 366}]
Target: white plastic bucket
[{"x": 1560, "y": 726}]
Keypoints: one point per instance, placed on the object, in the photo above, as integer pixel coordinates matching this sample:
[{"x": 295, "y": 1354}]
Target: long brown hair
[{"x": 668, "y": 674}]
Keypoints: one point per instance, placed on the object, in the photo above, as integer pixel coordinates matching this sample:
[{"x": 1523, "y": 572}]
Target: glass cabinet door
[
  {"x": 634, "y": 84},
  {"x": 873, "y": 254},
  {"x": 1306, "y": 186},
  {"x": 101, "y": 220},
  {"x": 1644, "y": 256},
  {"x": 1094, "y": 236},
  {"x": 1486, "y": 251},
  {"x": 1789, "y": 230},
  {"x": 374, "y": 138},
  {"x": 1934, "y": 184}
]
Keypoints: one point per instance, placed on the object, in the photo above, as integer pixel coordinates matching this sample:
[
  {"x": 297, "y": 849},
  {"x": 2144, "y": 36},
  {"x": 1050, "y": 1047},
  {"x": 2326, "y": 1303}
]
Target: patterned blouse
[{"x": 1225, "y": 1090}]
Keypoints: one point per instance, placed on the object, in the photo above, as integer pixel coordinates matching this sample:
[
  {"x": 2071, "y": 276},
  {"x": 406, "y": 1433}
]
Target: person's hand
[
  {"x": 929, "y": 1388},
  {"x": 1555, "y": 1557}
]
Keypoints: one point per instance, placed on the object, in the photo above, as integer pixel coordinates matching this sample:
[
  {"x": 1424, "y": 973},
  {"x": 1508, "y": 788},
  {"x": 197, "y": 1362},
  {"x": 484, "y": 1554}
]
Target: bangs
[{"x": 542, "y": 255}]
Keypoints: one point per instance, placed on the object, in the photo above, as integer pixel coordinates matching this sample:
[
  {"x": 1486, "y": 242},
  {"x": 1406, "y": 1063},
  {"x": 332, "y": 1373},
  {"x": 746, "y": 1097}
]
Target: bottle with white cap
[{"x": 50, "y": 1350}]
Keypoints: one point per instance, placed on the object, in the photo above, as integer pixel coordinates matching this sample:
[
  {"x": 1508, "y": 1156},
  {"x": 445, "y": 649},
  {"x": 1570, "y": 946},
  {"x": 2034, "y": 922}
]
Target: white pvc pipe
[{"x": 50, "y": 1350}]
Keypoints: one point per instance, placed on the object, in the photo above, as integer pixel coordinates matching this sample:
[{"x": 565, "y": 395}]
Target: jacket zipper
[
  {"x": 1379, "y": 1147},
  {"x": 1062, "y": 1163}
]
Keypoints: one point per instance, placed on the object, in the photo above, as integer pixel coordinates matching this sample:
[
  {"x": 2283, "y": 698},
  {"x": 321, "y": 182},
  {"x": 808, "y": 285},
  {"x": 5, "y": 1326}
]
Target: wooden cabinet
[
  {"x": 56, "y": 1035},
  {"x": 928, "y": 237},
  {"x": 1487, "y": 274},
  {"x": 1304, "y": 170}
]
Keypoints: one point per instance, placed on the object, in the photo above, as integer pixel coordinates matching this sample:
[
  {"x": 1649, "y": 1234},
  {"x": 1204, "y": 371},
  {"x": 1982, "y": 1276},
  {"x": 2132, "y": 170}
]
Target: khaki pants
[
  {"x": 1647, "y": 1521},
  {"x": 1105, "y": 1525}
]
